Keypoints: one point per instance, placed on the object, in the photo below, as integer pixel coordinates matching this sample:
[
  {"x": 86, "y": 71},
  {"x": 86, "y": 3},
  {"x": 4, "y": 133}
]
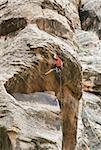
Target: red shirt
[{"x": 58, "y": 62}]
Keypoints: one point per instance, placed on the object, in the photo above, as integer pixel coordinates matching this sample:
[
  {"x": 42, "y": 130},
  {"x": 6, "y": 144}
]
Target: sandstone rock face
[
  {"x": 33, "y": 122},
  {"x": 90, "y": 14},
  {"x": 89, "y": 124},
  {"x": 30, "y": 32},
  {"x": 90, "y": 56}
]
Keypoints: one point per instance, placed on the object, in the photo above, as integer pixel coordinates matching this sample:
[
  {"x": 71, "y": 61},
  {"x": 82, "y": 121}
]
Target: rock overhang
[{"x": 29, "y": 44}]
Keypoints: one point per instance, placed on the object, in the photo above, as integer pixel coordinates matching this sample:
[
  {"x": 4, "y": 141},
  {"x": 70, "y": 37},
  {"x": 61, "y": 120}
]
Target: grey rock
[
  {"x": 89, "y": 123},
  {"x": 90, "y": 14}
]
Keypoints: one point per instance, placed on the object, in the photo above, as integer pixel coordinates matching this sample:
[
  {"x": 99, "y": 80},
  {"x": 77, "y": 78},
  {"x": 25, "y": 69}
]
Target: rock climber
[{"x": 58, "y": 65}]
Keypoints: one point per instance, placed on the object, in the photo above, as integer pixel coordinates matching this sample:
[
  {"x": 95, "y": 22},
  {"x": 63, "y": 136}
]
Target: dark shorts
[{"x": 57, "y": 70}]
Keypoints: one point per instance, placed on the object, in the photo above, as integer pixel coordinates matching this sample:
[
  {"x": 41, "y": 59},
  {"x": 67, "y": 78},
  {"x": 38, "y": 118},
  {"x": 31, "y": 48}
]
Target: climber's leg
[{"x": 54, "y": 69}]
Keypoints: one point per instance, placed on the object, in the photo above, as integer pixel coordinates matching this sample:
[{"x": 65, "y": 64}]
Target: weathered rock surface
[
  {"x": 31, "y": 31},
  {"x": 32, "y": 124},
  {"x": 89, "y": 131},
  {"x": 90, "y": 57},
  {"x": 89, "y": 124},
  {"x": 90, "y": 15}
]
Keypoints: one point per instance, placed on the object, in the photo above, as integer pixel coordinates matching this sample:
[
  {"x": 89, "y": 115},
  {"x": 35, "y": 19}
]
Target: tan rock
[{"x": 31, "y": 31}]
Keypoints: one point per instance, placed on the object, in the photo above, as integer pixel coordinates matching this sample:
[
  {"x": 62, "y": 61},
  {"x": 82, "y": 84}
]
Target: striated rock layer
[
  {"x": 89, "y": 124},
  {"x": 37, "y": 111},
  {"x": 90, "y": 15}
]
